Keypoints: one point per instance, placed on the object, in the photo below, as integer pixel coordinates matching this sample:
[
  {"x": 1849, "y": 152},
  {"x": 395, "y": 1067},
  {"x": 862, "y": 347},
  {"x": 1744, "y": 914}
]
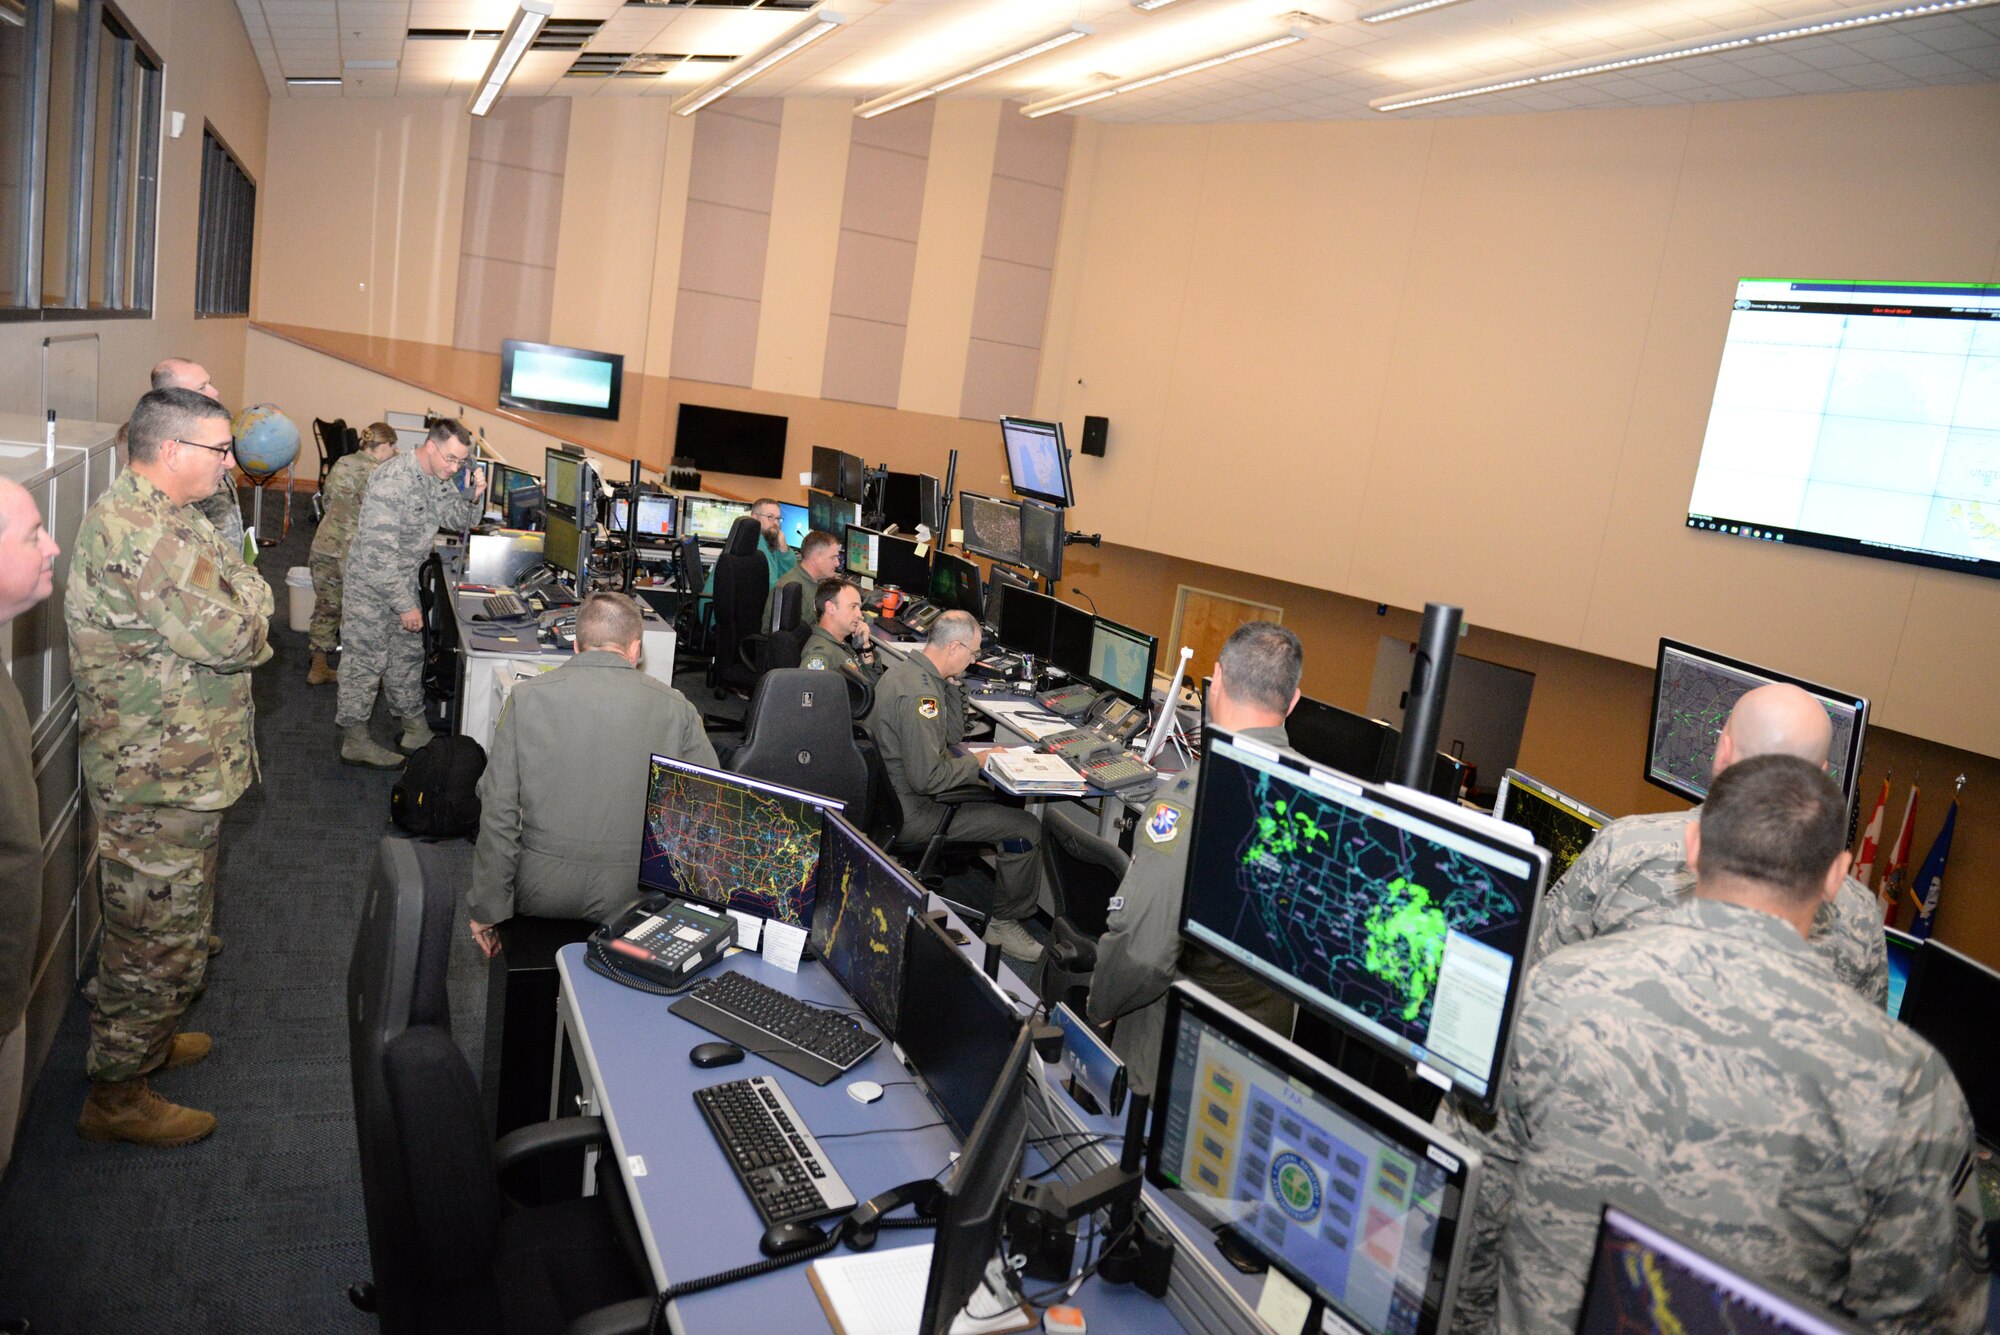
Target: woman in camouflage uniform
[{"x": 345, "y": 486}]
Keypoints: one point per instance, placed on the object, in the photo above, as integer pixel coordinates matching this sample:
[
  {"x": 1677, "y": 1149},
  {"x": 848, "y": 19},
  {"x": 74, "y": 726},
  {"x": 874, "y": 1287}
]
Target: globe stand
[{"x": 257, "y": 503}]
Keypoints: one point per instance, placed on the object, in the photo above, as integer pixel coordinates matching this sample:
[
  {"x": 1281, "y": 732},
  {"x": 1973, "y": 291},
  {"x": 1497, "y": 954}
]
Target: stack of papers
[{"x": 1024, "y": 771}]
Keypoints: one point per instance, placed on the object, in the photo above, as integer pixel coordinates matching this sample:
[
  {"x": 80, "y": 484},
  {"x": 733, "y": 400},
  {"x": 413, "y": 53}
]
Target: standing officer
[
  {"x": 409, "y": 499},
  {"x": 165, "y": 619},
  {"x": 346, "y": 487},
  {"x": 830, "y": 647},
  {"x": 223, "y": 509},
  {"x": 1256, "y": 683},
  {"x": 819, "y": 558},
  {"x": 919, "y": 716}
]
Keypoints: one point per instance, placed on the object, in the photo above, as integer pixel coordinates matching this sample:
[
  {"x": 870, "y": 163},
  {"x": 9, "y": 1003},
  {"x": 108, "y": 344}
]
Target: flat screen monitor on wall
[
  {"x": 1858, "y": 417},
  {"x": 724, "y": 440},
  {"x": 544, "y": 378}
]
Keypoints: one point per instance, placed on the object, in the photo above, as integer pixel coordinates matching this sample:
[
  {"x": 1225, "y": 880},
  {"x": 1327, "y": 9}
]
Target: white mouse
[{"x": 864, "y": 1091}]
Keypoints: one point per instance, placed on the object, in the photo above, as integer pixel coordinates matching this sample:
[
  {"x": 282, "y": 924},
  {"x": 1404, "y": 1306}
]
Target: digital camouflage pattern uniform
[
  {"x": 346, "y": 485},
  {"x": 1141, "y": 951},
  {"x": 165, "y": 619},
  {"x": 1638, "y": 864},
  {"x": 1702, "y": 1070},
  {"x": 400, "y": 517},
  {"x": 225, "y": 511}
]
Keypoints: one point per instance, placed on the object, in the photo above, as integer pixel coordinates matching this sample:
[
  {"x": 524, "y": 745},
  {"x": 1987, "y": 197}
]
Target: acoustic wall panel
[
  {"x": 730, "y": 185},
  {"x": 1010, "y": 307},
  {"x": 868, "y": 319}
]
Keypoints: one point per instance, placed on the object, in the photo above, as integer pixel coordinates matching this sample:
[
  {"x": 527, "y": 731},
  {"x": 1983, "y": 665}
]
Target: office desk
[{"x": 693, "y": 1216}]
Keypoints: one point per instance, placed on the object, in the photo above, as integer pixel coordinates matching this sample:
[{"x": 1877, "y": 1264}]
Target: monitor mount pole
[{"x": 1423, "y": 707}]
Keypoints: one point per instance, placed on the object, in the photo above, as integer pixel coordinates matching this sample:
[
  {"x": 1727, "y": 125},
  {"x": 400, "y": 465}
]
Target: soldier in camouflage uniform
[
  {"x": 345, "y": 487},
  {"x": 222, "y": 508},
  {"x": 409, "y": 499},
  {"x": 165, "y": 620},
  {"x": 1634, "y": 865},
  {"x": 1703, "y": 1070},
  {"x": 1255, "y": 685},
  {"x": 830, "y": 647}
]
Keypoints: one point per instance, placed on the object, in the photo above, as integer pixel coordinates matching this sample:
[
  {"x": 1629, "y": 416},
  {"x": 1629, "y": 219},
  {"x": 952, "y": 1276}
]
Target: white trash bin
[{"x": 299, "y": 584}]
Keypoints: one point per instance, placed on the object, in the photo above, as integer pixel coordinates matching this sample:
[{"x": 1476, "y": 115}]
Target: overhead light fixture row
[
  {"x": 312, "y": 81},
  {"x": 1085, "y": 96},
  {"x": 1150, "y": 5},
  {"x": 1402, "y": 11},
  {"x": 521, "y": 32},
  {"x": 750, "y": 66},
  {"x": 917, "y": 92},
  {"x": 1657, "y": 55}
]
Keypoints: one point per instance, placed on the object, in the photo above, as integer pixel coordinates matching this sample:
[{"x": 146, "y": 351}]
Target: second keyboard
[{"x": 804, "y": 1039}]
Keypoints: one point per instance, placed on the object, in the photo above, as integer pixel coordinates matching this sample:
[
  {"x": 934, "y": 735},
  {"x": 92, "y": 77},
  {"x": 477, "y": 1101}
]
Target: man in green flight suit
[
  {"x": 819, "y": 559},
  {"x": 831, "y": 646}
]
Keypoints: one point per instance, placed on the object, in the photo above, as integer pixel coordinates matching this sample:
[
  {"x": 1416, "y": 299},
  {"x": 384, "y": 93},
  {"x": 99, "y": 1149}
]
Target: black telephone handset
[{"x": 661, "y": 943}]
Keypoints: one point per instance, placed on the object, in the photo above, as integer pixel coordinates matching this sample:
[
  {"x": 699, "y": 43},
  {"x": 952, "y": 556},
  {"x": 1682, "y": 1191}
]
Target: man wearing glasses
[
  {"x": 409, "y": 499},
  {"x": 222, "y": 508},
  {"x": 165, "y": 621}
]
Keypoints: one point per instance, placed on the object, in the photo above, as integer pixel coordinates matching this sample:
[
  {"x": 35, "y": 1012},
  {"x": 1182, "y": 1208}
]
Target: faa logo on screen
[{"x": 1295, "y": 1187}]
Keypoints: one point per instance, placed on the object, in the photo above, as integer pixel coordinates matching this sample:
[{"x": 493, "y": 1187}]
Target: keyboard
[
  {"x": 806, "y": 1040},
  {"x": 1069, "y": 701},
  {"x": 1117, "y": 771},
  {"x": 504, "y": 607},
  {"x": 1072, "y": 743},
  {"x": 774, "y": 1156}
]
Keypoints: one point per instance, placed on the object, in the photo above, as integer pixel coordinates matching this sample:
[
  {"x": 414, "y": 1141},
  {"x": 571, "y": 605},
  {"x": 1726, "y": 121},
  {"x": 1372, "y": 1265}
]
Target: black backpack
[{"x": 438, "y": 795}]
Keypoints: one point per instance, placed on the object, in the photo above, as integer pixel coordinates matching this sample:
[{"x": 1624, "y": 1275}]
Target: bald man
[
  {"x": 1637, "y": 865},
  {"x": 222, "y": 508}
]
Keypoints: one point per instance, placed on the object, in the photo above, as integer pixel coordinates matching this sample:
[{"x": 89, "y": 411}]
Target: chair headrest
[{"x": 743, "y": 535}]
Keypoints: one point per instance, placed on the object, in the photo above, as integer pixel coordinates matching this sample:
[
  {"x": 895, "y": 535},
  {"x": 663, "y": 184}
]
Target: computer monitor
[
  {"x": 992, "y": 528},
  {"x": 860, "y": 550},
  {"x": 1042, "y": 539},
  {"x": 563, "y": 546},
  {"x": 1951, "y": 1001},
  {"x": 829, "y": 514},
  {"x": 825, "y": 469},
  {"x": 1026, "y": 621},
  {"x": 861, "y": 918},
  {"x": 973, "y": 1216},
  {"x": 1644, "y": 1281},
  {"x": 795, "y": 521},
  {"x": 732, "y": 842},
  {"x": 1693, "y": 692},
  {"x": 1341, "y": 739},
  {"x": 655, "y": 518},
  {"x": 955, "y": 584},
  {"x": 1070, "y": 638},
  {"x": 501, "y": 560},
  {"x": 526, "y": 506},
  {"x": 710, "y": 517},
  {"x": 1901, "y": 949},
  {"x": 546, "y": 378},
  {"x": 1363, "y": 1206},
  {"x": 955, "y": 1025},
  {"x": 1122, "y": 659},
  {"x": 503, "y": 481},
  {"x": 562, "y": 480},
  {"x": 899, "y": 503},
  {"x": 897, "y": 563},
  {"x": 1403, "y": 920},
  {"x": 1558, "y": 822},
  {"x": 930, "y": 505},
  {"x": 1037, "y": 460},
  {"x": 853, "y": 478}
]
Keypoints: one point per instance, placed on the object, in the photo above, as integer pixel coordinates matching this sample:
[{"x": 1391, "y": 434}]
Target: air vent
[
  {"x": 1298, "y": 18},
  {"x": 643, "y": 65},
  {"x": 566, "y": 34}
]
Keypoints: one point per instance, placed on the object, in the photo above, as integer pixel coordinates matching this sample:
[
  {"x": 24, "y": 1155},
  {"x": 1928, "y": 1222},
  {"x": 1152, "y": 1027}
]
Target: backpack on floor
[{"x": 438, "y": 795}]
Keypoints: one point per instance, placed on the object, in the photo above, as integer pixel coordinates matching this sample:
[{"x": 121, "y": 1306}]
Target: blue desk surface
[{"x": 694, "y": 1216}]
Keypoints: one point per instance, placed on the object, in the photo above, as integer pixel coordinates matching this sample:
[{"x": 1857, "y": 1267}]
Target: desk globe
[{"x": 266, "y": 440}]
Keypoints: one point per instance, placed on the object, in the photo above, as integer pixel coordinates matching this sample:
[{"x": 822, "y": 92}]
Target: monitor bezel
[
  {"x": 825, "y": 806},
  {"x": 642, "y": 538},
  {"x": 1068, "y": 498},
  {"x": 1152, "y": 662},
  {"x": 939, "y": 557},
  {"x": 1050, "y": 568},
  {"x": 688, "y": 501},
  {"x": 508, "y": 399},
  {"x": 836, "y": 817}
]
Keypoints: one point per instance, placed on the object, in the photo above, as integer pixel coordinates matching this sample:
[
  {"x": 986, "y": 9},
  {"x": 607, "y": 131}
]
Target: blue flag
[{"x": 1930, "y": 881}]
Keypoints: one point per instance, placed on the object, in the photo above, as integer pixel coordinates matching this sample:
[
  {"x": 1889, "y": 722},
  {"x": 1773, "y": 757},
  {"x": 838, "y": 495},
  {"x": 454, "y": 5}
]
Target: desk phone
[{"x": 665, "y": 941}]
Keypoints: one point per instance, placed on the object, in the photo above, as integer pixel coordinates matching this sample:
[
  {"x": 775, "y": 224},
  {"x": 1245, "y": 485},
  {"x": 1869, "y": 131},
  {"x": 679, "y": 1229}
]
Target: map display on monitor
[
  {"x": 863, "y": 908},
  {"x": 1558, "y": 822},
  {"x": 992, "y": 528},
  {"x": 732, "y": 842}
]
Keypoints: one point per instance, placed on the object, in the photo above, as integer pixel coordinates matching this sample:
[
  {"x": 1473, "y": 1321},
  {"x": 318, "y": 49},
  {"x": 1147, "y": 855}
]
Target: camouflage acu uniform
[
  {"x": 346, "y": 485},
  {"x": 225, "y": 511},
  {"x": 400, "y": 517},
  {"x": 1141, "y": 951},
  {"x": 1638, "y": 865},
  {"x": 164, "y": 621},
  {"x": 1702, "y": 1070}
]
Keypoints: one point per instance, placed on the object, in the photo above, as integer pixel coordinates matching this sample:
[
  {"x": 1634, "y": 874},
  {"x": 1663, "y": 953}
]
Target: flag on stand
[
  {"x": 1899, "y": 860},
  {"x": 1871, "y": 840},
  {"x": 1930, "y": 880}
]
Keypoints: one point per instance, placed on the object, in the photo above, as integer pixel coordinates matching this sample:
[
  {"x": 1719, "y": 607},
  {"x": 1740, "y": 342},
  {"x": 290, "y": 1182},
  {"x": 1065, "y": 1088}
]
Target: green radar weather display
[{"x": 1405, "y": 926}]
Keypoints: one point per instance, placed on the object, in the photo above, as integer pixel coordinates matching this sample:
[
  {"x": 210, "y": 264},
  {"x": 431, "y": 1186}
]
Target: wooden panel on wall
[
  {"x": 617, "y": 153},
  {"x": 1203, "y": 620}
]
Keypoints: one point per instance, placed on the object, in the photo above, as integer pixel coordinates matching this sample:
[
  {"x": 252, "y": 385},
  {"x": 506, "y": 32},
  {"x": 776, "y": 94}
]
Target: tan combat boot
[
  {"x": 128, "y": 1110},
  {"x": 416, "y": 734},
  {"x": 322, "y": 673},
  {"x": 358, "y": 748},
  {"x": 186, "y": 1050}
]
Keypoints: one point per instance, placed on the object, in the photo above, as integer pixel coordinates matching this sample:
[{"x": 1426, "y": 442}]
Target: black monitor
[
  {"x": 1070, "y": 639},
  {"x": 1643, "y": 1280},
  {"x": 897, "y": 563},
  {"x": 1901, "y": 949},
  {"x": 1122, "y": 659},
  {"x": 1952, "y": 1000},
  {"x": 563, "y": 546},
  {"x": 955, "y": 584},
  {"x": 562, "y": 480},
  {"x": 830, "y": 514},
  {"x": 1037, "y": 460},
  {"x": 504, "y": 481},
  {"x": 526, "y": 507},
  {"x": 992, "y": 528},
  {"x": 1042, "y": 539},
  {"x": 900, "y": 503},
  {"x": 1026, "y": 621},
  {"x": 1403, "y": 920},
  {"x": 728, "y": 440},
  {"x": 1341, "y": 739},
  {"x": 654, "y": 523},
  {"x": 955, "y": 1025},
  {"x": 974, "y": 1212},
  {"x": 853, "y": 475},
  {"x": 860, "y": 919},
  {"x": 1558, "y": 822},
  {"x": 730, "y": 841},
  {"x": 710, "y": 517},
  {"x": 795, "y": 521},
  {"x": 825, "y": 469},
  {"x": 1363, "y": 1206},
  {"x": 859, "y": 552},
  {"x": 545, "y": 378},
  {"x": 930, "y": 505},
  {"x": 1693, "y": 692}
]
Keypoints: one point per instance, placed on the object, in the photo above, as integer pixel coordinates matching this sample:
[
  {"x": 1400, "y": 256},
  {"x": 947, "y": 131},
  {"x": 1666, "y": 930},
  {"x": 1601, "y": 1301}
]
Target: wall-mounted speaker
[{"x": 1095, "y": 429}]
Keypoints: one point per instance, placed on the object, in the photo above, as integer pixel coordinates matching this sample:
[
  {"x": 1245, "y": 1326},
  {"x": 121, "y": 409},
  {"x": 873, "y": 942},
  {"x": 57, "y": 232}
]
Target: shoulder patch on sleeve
[
  {"x": 927, "y": 706},
  {"x": 1164, "y": 825},
  {"x": 817, "y": 663}
]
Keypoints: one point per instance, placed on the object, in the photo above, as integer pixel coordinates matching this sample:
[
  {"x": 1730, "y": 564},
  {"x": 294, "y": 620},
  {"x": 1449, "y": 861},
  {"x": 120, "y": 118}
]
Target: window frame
[{"x": 224, "y": 252}]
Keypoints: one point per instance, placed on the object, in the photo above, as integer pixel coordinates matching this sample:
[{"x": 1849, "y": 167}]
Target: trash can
[{"x": 299, "y": 584}]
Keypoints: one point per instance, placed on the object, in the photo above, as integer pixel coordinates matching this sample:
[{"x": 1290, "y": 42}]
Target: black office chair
[
  {"x": 1084, "y": 872},
  {"x": 928, "y": 867},
  {"x": 446, "y": 1251},
  {"x": 693, "y": 618},
  {"x": 441, "y": 644},
  {"x": 742, "y": 582},
  {"x": 781, "y": 646},
  {"x": 799, "y": 733},
  {"x": 331, "y": 439}
]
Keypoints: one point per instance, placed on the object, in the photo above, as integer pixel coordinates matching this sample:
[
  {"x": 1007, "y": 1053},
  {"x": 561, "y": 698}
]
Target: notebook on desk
[{"x": 882, "y": 1293}]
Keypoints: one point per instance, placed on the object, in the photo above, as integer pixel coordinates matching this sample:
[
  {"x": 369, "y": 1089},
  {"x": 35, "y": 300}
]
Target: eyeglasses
[{"x": 230, "y": 448}]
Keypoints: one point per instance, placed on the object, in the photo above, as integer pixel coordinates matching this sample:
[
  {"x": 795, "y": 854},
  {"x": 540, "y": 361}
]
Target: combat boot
[
  {"x": 187, "y": 1049},
  {"x": 129, "y": 1110},
  {"x": 358, "y": 748},
  {"x": 416, "y": 734},
  {"x": 322, "y": 673}
]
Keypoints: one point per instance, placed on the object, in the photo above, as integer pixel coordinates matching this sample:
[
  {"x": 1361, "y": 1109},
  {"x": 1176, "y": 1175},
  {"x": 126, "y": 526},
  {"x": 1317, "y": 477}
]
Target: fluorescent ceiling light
[
  {"x": 312, "y": 81},
  {"x": 917, "y": 92},
  {"x": 748, "y": 68},
  {"x": 1401, "y": 11},
  {"x": 521, "y": 32},
  {"x": 1150, "y": 5},
  {"x": 1082, "y": 97},
  {"x": 369, "y": 64},
  {"x": 1655, "y": 55}
]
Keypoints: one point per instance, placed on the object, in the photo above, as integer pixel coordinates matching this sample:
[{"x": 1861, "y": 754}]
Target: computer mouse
[
  {"x": 706, "y": 1055},
  {"x": 784, "y": 1239},
  {"x": 864, "y": 1091}
]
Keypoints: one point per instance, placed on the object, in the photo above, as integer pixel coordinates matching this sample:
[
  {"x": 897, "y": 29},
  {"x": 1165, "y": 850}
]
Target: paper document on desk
[
  {"x": 882, "y": 1293},
  {"x": 1026, "y": 771},
  {"x": 1026, "y": 717}
]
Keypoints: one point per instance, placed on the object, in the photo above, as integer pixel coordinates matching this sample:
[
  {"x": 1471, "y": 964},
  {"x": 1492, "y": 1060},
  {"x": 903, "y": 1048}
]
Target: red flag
[
  {"x": 1871, "y": 839},
  {"x": 1899, "y": 859}
]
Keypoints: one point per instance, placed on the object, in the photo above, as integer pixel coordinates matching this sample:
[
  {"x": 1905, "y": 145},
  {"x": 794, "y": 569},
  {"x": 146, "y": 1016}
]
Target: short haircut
[
  {"x": 449, "y": 428},
  {"x": 167, "y": 414},
  {"x": 377, "y": 433},
  {"x": 608, "y": 621},
  {"x": 1776, "y": 820},
  {"x": 1261, "y": 665},
  {"x": 815, "y": 542},
  {"x": 827, "y": 590},
  {"x": 167, "y": 373},
  {"x": 953, "y": 628},
  {"x": 767, "y": 500}
]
